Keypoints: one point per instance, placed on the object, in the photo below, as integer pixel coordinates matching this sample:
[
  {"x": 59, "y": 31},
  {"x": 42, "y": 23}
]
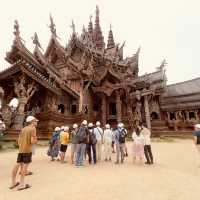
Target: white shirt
[
  {"x": 147, "y": 135},
  {"x": 107, "y": 135},
  {"x": 98, "y": 133},
  {"x": 138, "y": 139}
]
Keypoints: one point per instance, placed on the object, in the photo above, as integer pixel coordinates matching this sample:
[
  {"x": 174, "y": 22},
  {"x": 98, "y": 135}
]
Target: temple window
[
  {"x": 61, "y": 108},
  {"x": 112, "y": 109},
  {"x": 192, "y": 115},
  {"x": 172, "y": 116},
  {"x": 73, "y": 109},
  {"x": 154, "y": 116},
  {"x": 95, "y": 107}
]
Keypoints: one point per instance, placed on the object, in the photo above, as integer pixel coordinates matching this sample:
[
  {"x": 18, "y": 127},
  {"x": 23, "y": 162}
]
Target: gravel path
[{"x": 174, "y": 176}]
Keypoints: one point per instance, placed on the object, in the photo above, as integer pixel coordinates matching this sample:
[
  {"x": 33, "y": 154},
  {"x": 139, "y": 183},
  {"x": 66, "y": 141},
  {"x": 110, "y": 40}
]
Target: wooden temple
[{"x": 88, "y": 79}]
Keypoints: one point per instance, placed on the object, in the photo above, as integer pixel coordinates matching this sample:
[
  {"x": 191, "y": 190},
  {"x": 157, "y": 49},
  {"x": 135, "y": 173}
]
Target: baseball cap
[{"x": 31, "y": 118}]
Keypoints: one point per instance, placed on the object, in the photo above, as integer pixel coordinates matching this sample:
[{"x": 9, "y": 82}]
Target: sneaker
[{"x": 147, "y": 163}]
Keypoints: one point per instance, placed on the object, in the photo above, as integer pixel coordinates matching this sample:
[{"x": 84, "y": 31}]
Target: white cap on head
[
  {"x": 57, "y": 129},
  {"x": 197, "y": 126},
  {"x": 107, "y": 126},
  {"x": 1, "y": 122},
  {"x": 66, "y": 128},
  {"x": 122, "y": 124},
  {"x": 119, "y": 125},
  {"x": 75, "y": 126},
  {"x": 30, "y": 119},
  {"x": 84, "y": 122},
  {"x": 90, "y": 125},
  {"x": 98, "y": 123}
]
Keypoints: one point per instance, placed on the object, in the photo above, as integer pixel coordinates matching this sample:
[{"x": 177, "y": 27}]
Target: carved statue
[{"x": 138, "y": 110}]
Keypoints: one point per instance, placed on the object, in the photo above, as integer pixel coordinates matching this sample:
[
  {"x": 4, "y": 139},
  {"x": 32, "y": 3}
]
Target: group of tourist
[
  {"x": 86, "y": 140},
  {"x": 94, "y": 142}
]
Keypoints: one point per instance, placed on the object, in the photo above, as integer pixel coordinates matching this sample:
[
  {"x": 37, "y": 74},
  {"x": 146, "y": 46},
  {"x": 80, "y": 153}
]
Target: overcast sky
[{"x": 165, "y": 29}]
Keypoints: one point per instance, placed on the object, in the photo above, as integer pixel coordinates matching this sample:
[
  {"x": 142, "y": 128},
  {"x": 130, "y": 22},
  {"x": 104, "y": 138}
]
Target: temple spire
[
  {"x": 111, "y": 42},
  {"x": 90, "y": 27},
  {"x": 16, "y": 29},
  {"x": 98, "y": 37}
]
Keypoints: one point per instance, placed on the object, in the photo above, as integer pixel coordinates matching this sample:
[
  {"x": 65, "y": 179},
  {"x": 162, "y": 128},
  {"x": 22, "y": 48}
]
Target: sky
[{"x": 165, "y": 29}]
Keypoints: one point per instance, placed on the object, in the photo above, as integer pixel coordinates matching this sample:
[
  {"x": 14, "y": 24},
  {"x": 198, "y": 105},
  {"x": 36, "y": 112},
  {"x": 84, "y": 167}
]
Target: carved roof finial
[
  {"x": 111, "y": 42},
  {"x": 36, "y": 40},
  {"x": 52, "y": 26},
  {"x": 73, "y": 27},
  {"x": 138, "y": 50},
  {"x": 16, "y": 28},
  {"x": 162, "y": 65},
  {"x": 90, "y": 27}
]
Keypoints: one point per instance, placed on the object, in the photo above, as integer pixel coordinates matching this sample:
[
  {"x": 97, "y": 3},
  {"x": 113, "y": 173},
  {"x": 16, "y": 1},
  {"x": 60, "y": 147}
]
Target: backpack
[
  {"x": 81, "y": 135},
  {"x": 122, "y": 136},
  {"x": 92, "y": 137}
]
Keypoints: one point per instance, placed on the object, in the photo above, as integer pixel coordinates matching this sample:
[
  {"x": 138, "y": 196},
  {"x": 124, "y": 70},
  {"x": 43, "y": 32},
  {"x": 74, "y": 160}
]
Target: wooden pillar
[
  {"x": 187, "y": 115},
  {"x": 81, "y": 97},
  {"x": 147, "y": 113},
  {"x": 103, "y": 109},
  {"x": 118, "y": 107}
]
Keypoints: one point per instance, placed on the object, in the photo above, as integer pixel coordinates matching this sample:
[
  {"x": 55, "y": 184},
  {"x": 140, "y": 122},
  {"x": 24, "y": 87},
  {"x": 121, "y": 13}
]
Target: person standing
[
  {"x": 91, "y": 146},
  {"x": 120, "y": 137},
  {"x": 147, "y": 147},
  {"x": 196, "y": 135},
  {"x": 138, "y": 145},
  {"x": 107, "y": 138},
  {"x": 125, "y": 148},
  {"x": 64, "y": 140},
  {"x": 82, "y": 140},
  {"x": 54, "y": 144},
  {"x": 27, "y": 138},
  {"x": 99, "y": 136},
  {"x": 73, "y": 142}
]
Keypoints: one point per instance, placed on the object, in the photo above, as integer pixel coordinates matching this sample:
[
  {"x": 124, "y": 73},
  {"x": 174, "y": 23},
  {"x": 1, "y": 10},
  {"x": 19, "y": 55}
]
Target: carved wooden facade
[{"x": 87, "y": 80}]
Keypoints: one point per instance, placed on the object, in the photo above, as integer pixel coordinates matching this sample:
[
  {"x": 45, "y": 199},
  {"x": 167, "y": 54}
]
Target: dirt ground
[{"x": 174, "y": 176}]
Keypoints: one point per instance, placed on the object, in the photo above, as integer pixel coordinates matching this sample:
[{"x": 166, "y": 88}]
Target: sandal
[
  {"x": 24, "y": 188},
  {"x": 14, "y": 186},
  {"x": 29, "y": 173}
]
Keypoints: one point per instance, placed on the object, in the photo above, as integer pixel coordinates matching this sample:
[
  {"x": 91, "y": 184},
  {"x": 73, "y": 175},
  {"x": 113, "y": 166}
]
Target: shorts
[
  {"x": 24, "y": 158},
  {"x": 63, "y": 148}
]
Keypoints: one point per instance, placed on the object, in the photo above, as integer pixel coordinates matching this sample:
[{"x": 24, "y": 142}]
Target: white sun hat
[
  {"x": 107, "y": 126},
  {"x": 90, "y": 125},
  {"x": 75, "y": 126},
  {"x": 57, "y": 128},
  {"x": 66, "y": 128},
  {"x": 98, "y": 123},
  {"x": 197, "y": 126},
  {"x": 30, "y": 119},
  {"x": 84, "y": 122},
  {"x": 119, "y": 125}
]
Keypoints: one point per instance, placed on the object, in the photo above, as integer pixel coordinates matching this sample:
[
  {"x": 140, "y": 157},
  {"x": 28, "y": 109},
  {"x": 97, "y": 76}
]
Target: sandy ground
[{"x": 174, "y": 176}]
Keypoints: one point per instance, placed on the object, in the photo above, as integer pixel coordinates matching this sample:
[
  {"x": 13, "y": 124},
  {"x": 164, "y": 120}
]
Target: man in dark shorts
[{"x": 27, "y": 138}]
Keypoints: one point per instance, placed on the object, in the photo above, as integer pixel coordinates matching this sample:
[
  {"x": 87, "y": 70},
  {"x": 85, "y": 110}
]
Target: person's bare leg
[
  {"x": 14, "y": 173},
  {"x": 23, "y": 174}
]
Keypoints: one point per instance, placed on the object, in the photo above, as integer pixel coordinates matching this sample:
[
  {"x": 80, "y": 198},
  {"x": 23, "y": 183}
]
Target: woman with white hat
[
  {"x": 53, "y": 150},
  {"x": 73, "y": 142},
  {"x": 107, "y": 138}
]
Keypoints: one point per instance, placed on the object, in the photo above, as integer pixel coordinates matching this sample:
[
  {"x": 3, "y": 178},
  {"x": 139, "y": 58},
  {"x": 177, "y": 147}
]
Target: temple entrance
[{"x": 112, "y": 109}]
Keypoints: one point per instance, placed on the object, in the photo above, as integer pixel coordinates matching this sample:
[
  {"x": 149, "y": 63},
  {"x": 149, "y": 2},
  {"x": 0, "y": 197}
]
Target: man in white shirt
[
  {"x": 147, "y": 146},
  {"x": 99, "y": 136}
]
